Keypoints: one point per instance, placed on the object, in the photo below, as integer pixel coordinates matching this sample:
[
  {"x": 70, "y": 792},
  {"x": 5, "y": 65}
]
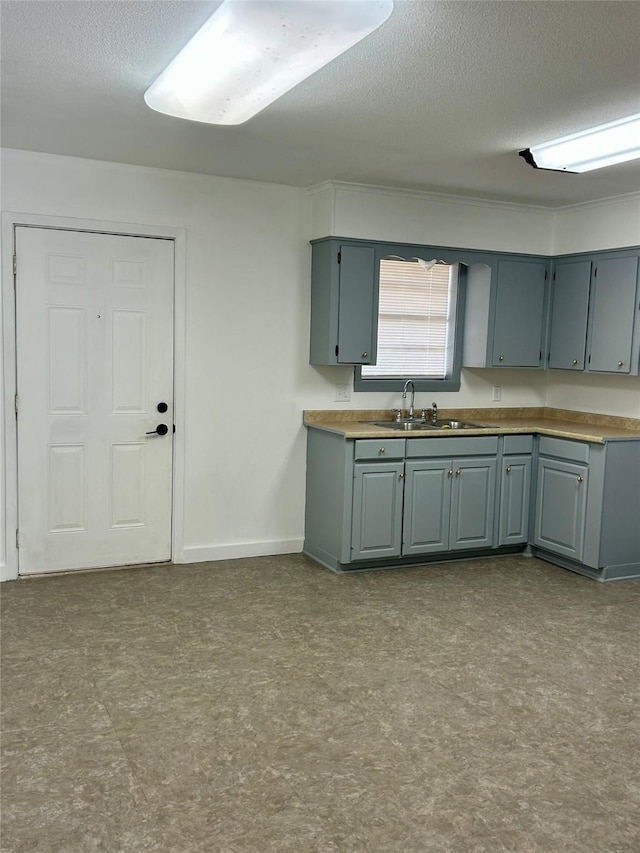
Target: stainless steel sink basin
[
  {"x": 413, "y": 426},
  {"x": 425, "y": 426},
  {"x": 456, "y": 425}
]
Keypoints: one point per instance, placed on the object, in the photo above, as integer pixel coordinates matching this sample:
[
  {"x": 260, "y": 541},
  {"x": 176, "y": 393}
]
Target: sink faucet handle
[
  {"x": 434, "y": 412},
  {"x": 423, "y": 414},
  {"x": 397, "y": 413}
]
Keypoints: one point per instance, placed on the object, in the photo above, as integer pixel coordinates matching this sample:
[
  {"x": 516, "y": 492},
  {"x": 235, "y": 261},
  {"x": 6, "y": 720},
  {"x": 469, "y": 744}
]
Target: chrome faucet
[
  {"x": 413, "y": 396},
  {"x": 434, "y": 413}
]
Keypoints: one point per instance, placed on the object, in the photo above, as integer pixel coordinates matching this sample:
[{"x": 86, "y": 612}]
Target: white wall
[
  {"x": 607, "y": 224},
  {"x": 247, "y": 321},
  {"x": 379, "y": 213}
]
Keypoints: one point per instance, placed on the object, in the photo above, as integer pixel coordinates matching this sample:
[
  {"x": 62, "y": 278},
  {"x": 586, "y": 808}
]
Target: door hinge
[
  {"x": 546, "y": 274},
  {"x": 17, "y": 538},
  {"x": 554, "y": 276},
  {"x": 15, "y": 404},
  {"x": 337, "y": 350},
  {"x": 15, "y": 265},
  {"x": 339, "y": 257},
  {"x": 595, "y": 272}
]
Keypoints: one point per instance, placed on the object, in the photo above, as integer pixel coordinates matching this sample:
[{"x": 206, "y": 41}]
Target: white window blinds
[{"x": 414, "y": 319}]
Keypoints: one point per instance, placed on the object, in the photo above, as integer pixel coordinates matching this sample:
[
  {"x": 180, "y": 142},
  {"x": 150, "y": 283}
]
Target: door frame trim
[{"x": 9, "y": 464}]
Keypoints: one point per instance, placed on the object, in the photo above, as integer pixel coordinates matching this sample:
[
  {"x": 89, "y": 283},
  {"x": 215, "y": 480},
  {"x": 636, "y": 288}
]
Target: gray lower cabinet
[
  {"x": 449, "y": 505},
  {"x": 377, "y": 510},
  {"x": 587, "y": 506},
  {"x": 386, "y": 502},
  {"x": 515, "y": 493},
  {"x": 395, "y": 499},
  {"x": 561, "y": 506}
]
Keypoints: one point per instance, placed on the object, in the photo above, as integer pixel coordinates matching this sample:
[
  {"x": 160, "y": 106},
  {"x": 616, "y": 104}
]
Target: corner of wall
[{"x": 609, "y": 223}]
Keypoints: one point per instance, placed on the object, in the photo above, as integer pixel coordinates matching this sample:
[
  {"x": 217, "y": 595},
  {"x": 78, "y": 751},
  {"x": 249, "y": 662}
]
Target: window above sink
[{"x": 419, "y": 326}]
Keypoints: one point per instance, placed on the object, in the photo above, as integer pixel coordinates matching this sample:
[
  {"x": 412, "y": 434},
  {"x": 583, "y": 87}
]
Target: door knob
[
  {"x": 162, "y": 408},
  {"x": 161, "y": 429}
]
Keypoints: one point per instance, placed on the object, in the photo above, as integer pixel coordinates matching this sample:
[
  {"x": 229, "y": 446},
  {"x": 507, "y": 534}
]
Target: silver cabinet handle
[
  {"x": 381, "y": 450},
  {"x": 581, "y": 479},
  {"x": 575, "y": 361},
  {"x": 508, "y": 469}
]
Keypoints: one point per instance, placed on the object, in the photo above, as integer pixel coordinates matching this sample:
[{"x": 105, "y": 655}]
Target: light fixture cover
[
  {"x": 595, "y": 148},
  {"x": 250, "y": 52}
]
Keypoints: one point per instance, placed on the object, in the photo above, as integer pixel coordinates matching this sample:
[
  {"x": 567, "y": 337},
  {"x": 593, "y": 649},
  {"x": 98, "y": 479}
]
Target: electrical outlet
[
  {"x": 497, "y": 393},
  {"x": 343, "y": 392}
]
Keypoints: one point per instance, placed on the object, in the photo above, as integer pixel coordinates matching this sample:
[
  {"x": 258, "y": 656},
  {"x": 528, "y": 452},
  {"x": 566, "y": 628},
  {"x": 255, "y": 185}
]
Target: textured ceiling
[{"x": 440, "y": 98}]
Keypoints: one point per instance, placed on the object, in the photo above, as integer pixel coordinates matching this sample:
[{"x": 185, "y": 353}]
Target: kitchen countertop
[{"x": 560, "y": 423}]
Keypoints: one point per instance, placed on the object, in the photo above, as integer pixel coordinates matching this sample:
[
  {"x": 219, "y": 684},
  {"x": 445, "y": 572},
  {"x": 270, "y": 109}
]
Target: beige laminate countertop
[{"x": 561, "y": 423}]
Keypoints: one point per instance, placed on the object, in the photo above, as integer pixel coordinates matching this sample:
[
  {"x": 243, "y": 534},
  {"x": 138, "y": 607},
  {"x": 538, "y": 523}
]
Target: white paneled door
[{"x": 94, "y": 327}]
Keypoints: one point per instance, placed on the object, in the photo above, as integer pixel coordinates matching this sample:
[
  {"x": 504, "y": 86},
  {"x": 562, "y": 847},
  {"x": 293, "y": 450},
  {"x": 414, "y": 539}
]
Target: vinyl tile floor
[{"x": 267, "y": 705}]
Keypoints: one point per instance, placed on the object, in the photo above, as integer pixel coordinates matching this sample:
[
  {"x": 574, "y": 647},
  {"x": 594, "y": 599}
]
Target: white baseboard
[
  {"x": 9, "y": 574},
  {"x": 206, "y": 553}
]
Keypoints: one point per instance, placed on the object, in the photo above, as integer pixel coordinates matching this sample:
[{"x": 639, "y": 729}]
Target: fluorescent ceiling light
[
  {"x": 251, "y": 52},
  {"x": 595, "y": 148}
]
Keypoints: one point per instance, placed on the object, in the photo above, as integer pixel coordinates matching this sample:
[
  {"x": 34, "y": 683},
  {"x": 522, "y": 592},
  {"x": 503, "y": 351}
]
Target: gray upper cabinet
[
  {"x": 613, "y": 346},
  {"x": 519, "y": 314},
  {"x": 506, "y": 313},
  {"x": 595, "y": 313},
  {"x": 344, "y": 303},
  {"x": 569, "y": 311}
]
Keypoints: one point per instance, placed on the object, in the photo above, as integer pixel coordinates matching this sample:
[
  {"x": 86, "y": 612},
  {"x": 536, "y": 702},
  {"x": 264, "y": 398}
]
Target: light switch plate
[
  {"x": 497, "y": 393},
  {"x": 343, "y": 392}
]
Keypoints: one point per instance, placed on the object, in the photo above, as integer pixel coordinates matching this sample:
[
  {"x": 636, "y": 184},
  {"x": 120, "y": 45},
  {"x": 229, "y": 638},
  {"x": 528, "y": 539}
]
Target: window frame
[{"x": 451, "y": 382}]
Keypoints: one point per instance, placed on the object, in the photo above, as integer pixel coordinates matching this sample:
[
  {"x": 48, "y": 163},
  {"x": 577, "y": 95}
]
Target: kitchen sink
[
  {"x": 403, "y": 425},
  {"x": 425, "y": 426},
  {"x": 455, "y": 425}
]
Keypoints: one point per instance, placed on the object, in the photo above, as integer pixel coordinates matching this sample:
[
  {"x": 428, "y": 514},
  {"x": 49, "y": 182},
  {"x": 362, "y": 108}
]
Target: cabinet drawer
[
  {"x": 517, "y": 444},
  {"x": 562, "y": 448},
  {"x": 471, "y": 446},
  {"x": 380, "y": 448}
]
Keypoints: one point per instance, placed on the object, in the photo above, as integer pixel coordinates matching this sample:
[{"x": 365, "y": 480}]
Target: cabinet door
[
  {"x": 515, "y": 490},
  {"x": 561, "y": 507},
  {"x": 519, "y": 314},
  {"x": 376, "y": 529},
  {"x": 569, "y": 309},
  {"x": 472, "y": 503},
  {"x": 426, "y": 506},
  {"x": 613, "y": 311},
  {"x": 358, "y": 306}
]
